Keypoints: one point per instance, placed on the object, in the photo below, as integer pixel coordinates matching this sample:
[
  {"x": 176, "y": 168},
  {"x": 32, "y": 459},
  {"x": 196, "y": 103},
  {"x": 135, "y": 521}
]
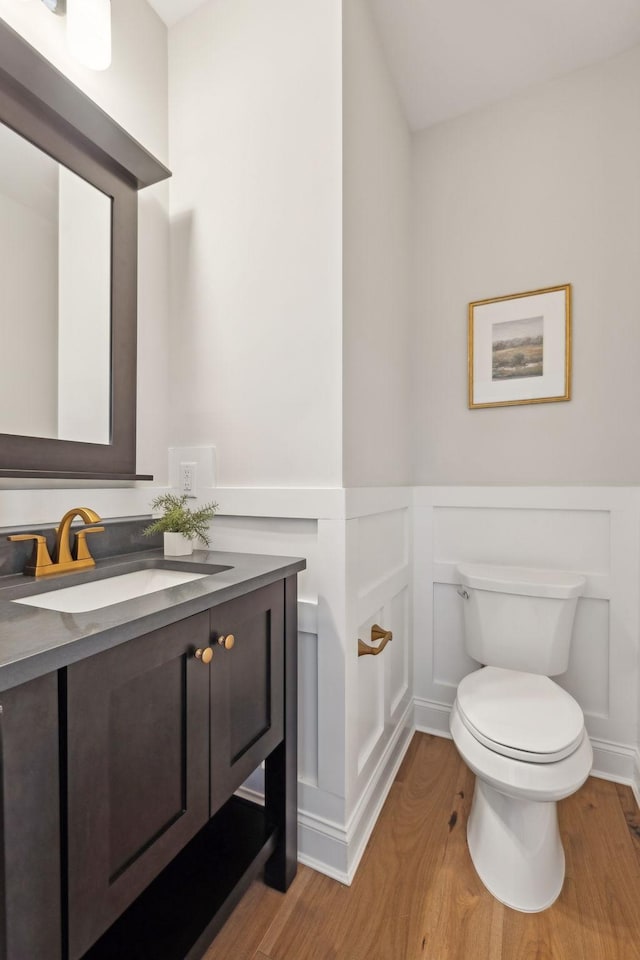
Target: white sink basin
[{"x": 102, "y": 593}]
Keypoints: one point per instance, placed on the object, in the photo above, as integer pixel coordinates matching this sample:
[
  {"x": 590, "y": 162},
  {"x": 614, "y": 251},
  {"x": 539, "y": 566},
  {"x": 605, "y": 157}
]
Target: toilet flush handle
[{"x": 462, "y": 593}]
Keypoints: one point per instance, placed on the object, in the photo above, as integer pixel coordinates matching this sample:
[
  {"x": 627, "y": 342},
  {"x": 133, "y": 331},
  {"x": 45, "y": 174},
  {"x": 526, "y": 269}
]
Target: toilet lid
[{"x": 521, "y": 715}]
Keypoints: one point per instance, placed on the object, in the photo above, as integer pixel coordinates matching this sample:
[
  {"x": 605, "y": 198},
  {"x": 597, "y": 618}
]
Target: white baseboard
[
  {"x": 368, "y": 809},
  {"x": 612, "y": 761},
  {"x": 635, "y": 785},
  {"x": 323, "y": 845},
  {"x": 336, "y": 850},
  {"x": 432, "y": 717},
  {"x": 247, "y": 793}
]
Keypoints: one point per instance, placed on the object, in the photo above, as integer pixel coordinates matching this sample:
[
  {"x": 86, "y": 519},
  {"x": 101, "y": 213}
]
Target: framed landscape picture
[{"x": 520, "y": 348}]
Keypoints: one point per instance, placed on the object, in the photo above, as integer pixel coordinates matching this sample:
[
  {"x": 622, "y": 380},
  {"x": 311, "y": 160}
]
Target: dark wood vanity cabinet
[
  {"x": 156, "y": 742},
  {"x": 137, "y": 769}
]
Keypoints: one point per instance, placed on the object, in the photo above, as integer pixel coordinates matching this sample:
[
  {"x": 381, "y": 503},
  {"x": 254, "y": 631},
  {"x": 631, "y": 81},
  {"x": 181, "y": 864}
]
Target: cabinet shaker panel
[
  {"x": 137, "y": 769},
  {"x": 247, "y": 685}
]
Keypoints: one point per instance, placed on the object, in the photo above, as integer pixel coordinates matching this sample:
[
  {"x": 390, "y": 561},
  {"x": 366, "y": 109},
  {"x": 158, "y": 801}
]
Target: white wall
[
  {"x": 255, "y": 131},
  {"x": 536, "y": 191},
  {"x": 134, "y": 92},
  {"x": 376, "y": 256}
]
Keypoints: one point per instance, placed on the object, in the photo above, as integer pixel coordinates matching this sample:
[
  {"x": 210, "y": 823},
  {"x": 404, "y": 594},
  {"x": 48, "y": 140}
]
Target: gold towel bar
[{"x": 377, "y": 633}]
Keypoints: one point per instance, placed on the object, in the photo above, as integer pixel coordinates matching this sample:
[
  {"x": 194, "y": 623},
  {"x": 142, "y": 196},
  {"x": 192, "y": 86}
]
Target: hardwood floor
[{"x": 416, "y": 895}]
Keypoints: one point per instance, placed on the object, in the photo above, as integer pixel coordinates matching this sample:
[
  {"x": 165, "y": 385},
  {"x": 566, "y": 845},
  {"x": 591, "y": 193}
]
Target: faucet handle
[
  {"x": 82, "y": 549},
  {"x": 40, "y": 557}
]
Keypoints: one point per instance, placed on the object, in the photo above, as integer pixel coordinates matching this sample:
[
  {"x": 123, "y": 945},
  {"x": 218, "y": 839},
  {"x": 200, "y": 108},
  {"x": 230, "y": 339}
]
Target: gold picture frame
[{"x": 519, "y": 348}]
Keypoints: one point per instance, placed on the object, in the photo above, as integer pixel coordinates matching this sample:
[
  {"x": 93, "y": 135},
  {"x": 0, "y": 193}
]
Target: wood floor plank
[
  {"x": 597, "y": 914},
  {"x": 606, "y": 875},
  {"x": 460, "y": 918},
  {"x": 416, "y": 895},
  {"x": 314, "y": 927},
  {"x": 381, "y": 914},
  {"x": 409, "y": 845},
  {"x": 631, "y": 814},
  {"x": 556, "y": 933},
  {"x": 296, "y": 891},
  {"x": 240, "y": 937},
  {"x": 405, "y": 768}
]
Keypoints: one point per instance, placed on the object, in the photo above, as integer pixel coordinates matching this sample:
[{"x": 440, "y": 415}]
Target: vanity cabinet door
[
  {"x": 137, "y": 769},
  {"x": 30, "y": 899},
  {"x": 247, "y": 686}
]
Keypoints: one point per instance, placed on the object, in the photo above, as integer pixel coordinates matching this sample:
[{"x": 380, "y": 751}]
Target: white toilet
[{"x": 521, "y": 734}]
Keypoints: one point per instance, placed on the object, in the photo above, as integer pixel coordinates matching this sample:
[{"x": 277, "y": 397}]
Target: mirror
[
  {"x": 55, "y": 322},
  {"x": 69, "y": 177}
]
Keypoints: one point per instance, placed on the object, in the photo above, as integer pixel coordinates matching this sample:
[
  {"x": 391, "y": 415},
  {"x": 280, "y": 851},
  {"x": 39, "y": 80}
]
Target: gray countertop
[{"x": 35, "y": 641}]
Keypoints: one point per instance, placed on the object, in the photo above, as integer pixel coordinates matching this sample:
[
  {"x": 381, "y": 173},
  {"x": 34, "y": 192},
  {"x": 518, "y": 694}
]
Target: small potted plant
[{"x": 180, "y": 524}]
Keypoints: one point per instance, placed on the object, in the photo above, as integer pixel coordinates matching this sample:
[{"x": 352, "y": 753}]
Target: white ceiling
[
  {"x": 173, "y": 10},
  {"x": 450, "y": 56}
]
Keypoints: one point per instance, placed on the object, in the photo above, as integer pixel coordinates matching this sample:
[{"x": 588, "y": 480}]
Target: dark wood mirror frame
[{"x": 44, "y": 107}]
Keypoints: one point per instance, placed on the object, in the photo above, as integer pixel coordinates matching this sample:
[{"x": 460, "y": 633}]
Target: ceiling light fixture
[{"x": 56, "y": 6}]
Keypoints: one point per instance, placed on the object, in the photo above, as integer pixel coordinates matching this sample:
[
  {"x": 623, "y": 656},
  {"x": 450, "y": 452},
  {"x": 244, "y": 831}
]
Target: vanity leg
[{"x": 281, "y": 768}]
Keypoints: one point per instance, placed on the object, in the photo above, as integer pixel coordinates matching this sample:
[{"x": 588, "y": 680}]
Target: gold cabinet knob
[
  {"x": 204, "y": 655},
  {"x": 227, "y": 642}
]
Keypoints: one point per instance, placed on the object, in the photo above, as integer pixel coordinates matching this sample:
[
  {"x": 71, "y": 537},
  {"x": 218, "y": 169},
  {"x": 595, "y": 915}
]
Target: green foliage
[{"x": 177, "y": 517}]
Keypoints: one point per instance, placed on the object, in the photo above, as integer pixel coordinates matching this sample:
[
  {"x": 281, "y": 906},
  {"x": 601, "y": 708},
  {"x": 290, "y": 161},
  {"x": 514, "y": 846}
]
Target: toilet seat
[
  {"x": 517, "y": 778},
  {"x": 520, "y": 715}
]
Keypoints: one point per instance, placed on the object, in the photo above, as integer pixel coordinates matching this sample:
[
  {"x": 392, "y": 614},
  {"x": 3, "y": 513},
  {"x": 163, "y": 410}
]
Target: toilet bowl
[
  {"x": 513, "y": 834},
  {"x": 520, "y": 733}
]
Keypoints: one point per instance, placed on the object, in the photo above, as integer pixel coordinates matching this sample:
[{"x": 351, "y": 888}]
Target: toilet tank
[{"x": 519, "y": 618}]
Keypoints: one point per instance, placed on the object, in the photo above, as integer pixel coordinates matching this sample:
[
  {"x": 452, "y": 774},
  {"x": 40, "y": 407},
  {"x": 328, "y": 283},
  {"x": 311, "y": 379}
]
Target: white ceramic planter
[{"x": 175, "y": 545}]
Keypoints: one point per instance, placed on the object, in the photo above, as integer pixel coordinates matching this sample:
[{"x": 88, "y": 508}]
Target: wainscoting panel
[
  {"x": 591, "y": 531},
  {"x": 379, "y": 690},
  {"x": 588, "y": 677},
  {"x": 397, "y": 675},
  {"x": 282, "y": 536},
  {"x": 574, "y": 540},
  {"x": 450, "y": 661},
  {"x": 308, "y": 708},
  {"x": 383, "y": 546},
  {"x": 370, "y": 698}
]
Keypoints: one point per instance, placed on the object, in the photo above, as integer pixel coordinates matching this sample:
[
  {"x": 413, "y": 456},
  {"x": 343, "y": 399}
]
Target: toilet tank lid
[{"x": 526, "y": 581}]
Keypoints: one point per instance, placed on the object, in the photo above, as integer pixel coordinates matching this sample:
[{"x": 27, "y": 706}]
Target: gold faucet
[{"x": 41, "y": 564}]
